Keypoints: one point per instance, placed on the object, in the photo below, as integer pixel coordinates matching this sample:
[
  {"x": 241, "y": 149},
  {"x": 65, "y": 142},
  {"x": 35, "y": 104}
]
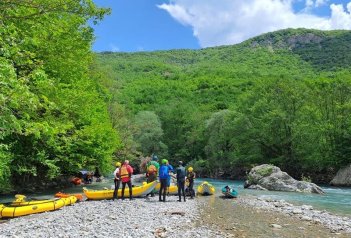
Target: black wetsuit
[
  {"x": 191, "y": 176},
  {"x": 117, "y": 183},
  {"x": 181, "y": 182}
]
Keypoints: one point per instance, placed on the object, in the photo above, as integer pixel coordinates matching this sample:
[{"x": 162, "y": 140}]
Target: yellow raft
[
  {"x": 206, "y": 188},
  {"x": 173, "y": 189},
  {"x": 19, "y": 207},
  {"x": 138, "y": 191}
]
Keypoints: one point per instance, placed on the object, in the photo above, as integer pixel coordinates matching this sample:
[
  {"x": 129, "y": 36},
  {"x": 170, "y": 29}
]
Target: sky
[{"x": 149, "y": 25}]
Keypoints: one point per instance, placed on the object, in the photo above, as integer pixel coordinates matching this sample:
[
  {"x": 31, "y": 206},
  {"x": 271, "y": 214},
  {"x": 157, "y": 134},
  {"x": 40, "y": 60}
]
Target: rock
[
  {"x": 272, "y": 178},
  {"x": 257, "y": 187},
  {"x": 276, "y": 226},
  {"x": 306, "y": 207},
  {"x": 297, "y": 211},
  {"x": 342, "y": 177},
  {"x": 306, "y": 218}
]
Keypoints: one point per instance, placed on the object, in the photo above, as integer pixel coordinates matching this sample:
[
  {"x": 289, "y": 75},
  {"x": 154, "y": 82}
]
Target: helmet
[
  {"x": 118, "y": 164},
  {"x": 154, "y": 158},
  {"x": 190, "y": 169},
  {"x": 164, "y": 161}
]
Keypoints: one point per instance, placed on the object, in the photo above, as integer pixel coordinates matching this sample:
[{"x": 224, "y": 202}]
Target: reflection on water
[{"x": 336, "y": 200}]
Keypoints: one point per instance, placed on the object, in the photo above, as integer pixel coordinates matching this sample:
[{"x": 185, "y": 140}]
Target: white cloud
[
  {"x": 319, "y": 3},
  {"x": 114, "y": 48},
  {"x": 223, "y": 22},
  {"x": 315, "y": 3}
]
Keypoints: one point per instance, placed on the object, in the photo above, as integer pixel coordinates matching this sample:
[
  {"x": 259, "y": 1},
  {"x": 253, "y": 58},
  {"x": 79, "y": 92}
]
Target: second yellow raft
[{"x": 138, "y": 191}]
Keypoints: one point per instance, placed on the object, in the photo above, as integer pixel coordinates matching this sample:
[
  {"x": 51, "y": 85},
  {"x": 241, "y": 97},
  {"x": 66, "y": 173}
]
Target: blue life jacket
[{"x": 163, "y": 172}]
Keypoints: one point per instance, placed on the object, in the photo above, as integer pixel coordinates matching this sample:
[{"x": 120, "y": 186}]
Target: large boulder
[
  {"x": 272, "y": 178},
  {"x": 343, "y": 177}
]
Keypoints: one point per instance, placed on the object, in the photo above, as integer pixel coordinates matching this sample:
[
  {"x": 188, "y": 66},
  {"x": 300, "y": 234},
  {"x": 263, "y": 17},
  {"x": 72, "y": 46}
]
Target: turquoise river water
[{"x": 335, "y": 200}]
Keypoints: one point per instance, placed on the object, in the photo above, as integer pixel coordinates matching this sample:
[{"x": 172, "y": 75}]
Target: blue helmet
[{"x": 154, "y": 158}]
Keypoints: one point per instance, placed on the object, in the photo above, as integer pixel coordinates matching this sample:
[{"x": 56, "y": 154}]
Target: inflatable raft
[
  {"x": 17, "y": 209},
  {"x": 229, "y": 192},
  {"x": 173, "y": 189},
  {"x": 206, "y": 188},
  {"x": 138, "y": 191}
]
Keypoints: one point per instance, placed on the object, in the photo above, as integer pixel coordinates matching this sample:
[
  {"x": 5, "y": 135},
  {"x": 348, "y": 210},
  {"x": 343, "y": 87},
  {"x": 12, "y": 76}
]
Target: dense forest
[
  {"x": 282, "y": 98},
  {"x": 54, "y": 116}
]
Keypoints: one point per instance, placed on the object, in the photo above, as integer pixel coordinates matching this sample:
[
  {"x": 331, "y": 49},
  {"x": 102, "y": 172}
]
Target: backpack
[
  {"x": 163, "y": 173},
  {"x": 151, "y": 169}
]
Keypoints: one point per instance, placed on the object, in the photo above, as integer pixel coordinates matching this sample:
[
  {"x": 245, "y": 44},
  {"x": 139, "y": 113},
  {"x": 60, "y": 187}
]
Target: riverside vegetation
[{"x": 282, "y": 98}]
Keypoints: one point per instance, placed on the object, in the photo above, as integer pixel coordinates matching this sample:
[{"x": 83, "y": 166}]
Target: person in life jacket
[
  {"x": 181, "y": 180},
  {"x": 190, "y": 177},
  {"x": 163, "y": 175},
  {"x": 125, "y": 174},
  {"x": 117, "y": 180},
  {"x": 152, "y": 171},
  {"x": 170, "y": 168}
]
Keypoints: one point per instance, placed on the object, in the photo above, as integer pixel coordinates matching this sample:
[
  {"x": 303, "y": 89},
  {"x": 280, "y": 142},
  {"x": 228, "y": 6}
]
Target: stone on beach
[{"x": 272, "y": 178}]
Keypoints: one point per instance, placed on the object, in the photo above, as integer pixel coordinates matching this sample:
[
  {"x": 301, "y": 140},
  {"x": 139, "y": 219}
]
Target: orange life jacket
[
  {"x": 152, "y": 169},
  {"x": 124, "y": 171}
]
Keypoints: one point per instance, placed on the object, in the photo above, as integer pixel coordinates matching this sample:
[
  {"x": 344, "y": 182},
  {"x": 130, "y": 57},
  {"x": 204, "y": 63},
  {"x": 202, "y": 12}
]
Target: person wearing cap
[
  {"x": 181, "y": 180},
  {"x": 163, "y": 175},
  {"x": 125, "y": 174},
  {"x": 116, "y": 180}
]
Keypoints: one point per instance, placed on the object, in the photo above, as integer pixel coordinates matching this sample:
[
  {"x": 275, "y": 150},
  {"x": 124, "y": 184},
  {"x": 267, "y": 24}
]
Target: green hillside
[{"x": 281, "y": 98}]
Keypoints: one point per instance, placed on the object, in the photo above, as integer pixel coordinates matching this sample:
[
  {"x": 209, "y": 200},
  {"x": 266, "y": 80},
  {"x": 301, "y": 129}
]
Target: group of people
[
  {"x": 123, "y": 173},
  {"x": 164, "y": 172}
]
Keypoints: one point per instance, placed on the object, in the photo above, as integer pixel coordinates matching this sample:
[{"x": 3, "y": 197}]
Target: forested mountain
[{"x": 282, "y": 98}]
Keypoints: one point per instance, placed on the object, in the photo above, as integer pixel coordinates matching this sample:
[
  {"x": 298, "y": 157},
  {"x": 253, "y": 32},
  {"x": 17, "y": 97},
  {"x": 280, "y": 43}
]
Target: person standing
[
  {"x": 163, "y": 175},
  {"x": 191, "y": 176},
  {"x": 125, "y": 174},
  {"x": 116, "y": 180},
  {"x": 181, "y": 180},
  {"x": 152, "y": 171}
]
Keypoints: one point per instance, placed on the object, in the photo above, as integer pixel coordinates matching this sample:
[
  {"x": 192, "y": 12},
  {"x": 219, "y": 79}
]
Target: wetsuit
[
  {"x": 191, "y": 176},
  {"x": 117, "y": 183},
  {"x": 181, "y": 182}
]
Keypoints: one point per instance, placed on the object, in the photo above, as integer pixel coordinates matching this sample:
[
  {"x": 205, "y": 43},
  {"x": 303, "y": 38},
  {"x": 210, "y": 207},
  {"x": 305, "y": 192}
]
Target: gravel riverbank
[
  {"x": 334, "y": 223},
  {"x": 144, "y": 217},
  {"x": 248, "y": 216},
  {"x": 201, "y": 217}
]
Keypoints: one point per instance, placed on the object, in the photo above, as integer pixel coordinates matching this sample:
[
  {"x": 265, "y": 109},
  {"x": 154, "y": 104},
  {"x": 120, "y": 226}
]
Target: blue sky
[{"x": 148, "y": 25}]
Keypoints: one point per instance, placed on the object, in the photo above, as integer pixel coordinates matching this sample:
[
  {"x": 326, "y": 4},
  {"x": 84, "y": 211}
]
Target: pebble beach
[
  {"x": 141, "y": 217},
  {"x": 211, "y": 216}
]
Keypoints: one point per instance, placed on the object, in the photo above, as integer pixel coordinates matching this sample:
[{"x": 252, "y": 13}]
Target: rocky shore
[
  {"x": 144, "y": 217},
  {"x": 211, "y": 216},
  {"x": 334, "y": 223}
]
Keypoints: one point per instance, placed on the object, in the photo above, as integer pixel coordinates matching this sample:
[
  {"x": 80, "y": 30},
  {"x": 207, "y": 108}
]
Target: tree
[{"x": 149, "y": 133}]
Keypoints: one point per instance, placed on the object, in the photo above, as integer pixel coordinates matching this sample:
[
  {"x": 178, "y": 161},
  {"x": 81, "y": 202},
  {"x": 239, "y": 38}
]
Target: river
[{"x": 335, "y": 200}]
